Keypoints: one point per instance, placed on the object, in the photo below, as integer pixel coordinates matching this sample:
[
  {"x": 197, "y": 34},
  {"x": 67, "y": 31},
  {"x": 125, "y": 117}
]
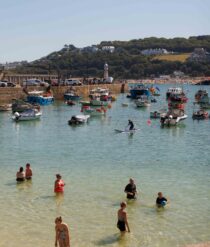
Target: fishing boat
[
  {"x": 6, "y": 107},
  {"x": 94, "y": 111},
  {"x": 201, "y": 96},
  {"x": 137, "y": 90},
  {"x": 172, "y": 117},
  {"x": 31, "y": 114},
  {"x": 175, "y": 91},
  {"x": 176, "y": 105},
  {"x": 78, "y": 119},
  {"x": 71, "y": 95},
  {"x": 142, "y": 101},
  {"x": 39, "y": 97},
  {"x": 200, "y": 115}
]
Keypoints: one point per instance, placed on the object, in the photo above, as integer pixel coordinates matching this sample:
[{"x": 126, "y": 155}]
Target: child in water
[
  {"x": 28, "y": 171},
  {"x": 161, "y": 201}
]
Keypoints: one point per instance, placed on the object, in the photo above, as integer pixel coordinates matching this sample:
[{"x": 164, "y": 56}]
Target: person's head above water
[
  {"x": 131, "y": 181},
  {"x": 28, "y": 165},
  {"x": 123, "y": 204},
  {"x": 21, "y": 169},
  {"x": 160, "y": 194},
  {"x": 58, "y": 220}
]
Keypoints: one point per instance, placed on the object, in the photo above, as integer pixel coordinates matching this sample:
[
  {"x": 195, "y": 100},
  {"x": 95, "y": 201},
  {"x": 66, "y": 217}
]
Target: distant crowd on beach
[{"x": 62, "y": 234}]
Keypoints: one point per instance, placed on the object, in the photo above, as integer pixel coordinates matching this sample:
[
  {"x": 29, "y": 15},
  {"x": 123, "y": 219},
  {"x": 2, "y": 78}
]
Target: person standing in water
[
  {"x": 122, "y": 222},
  {"x": 130, "y": 189},
  {"x": 28, "y": 171},
  {"x": 20, "y": 175},
  {"x": 161, "y": 201},
  {"x": 59, "y": 184},
  {"x": 62, "y": 236},
  {"x": 130, "y": 125}
]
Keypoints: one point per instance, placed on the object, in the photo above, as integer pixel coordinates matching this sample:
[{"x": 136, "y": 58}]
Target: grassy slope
[{"x": 173, "y": 57}]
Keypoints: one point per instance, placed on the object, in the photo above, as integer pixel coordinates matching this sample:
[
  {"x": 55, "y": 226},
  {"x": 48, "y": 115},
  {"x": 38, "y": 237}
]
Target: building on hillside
[
  {"x": 13, "y": 65},
  {"x": 199, "y": 55},
  {"x": 90, "y": 49},
  {"x": 178, "y": 74},
  {"x": 156, "y": 51},
  {"x": 110, "y": 49}
]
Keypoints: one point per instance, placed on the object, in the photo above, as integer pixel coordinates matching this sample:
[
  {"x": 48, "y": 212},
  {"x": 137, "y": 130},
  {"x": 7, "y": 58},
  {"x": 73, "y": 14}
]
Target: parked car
[
  {"x": 34, "y": 82},
  {"x": 72, "y": 82},
  {"x": 7, "y": 84}
]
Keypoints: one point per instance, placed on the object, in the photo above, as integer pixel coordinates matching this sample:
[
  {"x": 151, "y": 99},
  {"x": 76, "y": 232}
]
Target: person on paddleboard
[{"x": 130, "y": 125}]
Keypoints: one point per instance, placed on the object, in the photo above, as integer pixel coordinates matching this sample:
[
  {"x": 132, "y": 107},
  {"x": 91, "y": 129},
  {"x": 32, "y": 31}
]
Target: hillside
[{"x": 126, "y": 61}]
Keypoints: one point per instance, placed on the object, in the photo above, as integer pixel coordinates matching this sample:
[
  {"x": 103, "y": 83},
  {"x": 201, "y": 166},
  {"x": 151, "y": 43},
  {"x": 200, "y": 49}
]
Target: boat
[
  {"x": 125, "y": 104},
  {"x": 205, "y": 105},
  {"x": 70, "y": 102},
  {"x": 175, "y": 91},
  {"x": 157, "y": 114},
  {"x": 172, "y": 117},
  {"x": 6, "y": 107},
  {"x": 176, "y": 105},
  {"x": 201, "y": 96},
  {"x": 30, "y": 114},
  {"x": 200, "y": 115},
  {"x": 137, "y": 90},
  {"x": 94, "y": 111},
  {"x": 20, "y": 106},
  {"x": 142, "y": 101},
  {"x": 71, "y": 95},
  {"x": 85, "y": 103},
  {"x": 78, "y": 119},
  {"x": 39, "y": 97},
  {"x": 178, "y": 98}
]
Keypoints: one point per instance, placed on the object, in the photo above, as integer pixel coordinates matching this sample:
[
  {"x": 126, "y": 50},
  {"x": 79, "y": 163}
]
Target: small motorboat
[
  {"x": 21, "y": 106},
  {"x": 172, "y": 117},
  {"x": 31, "y": 114},
  {"x": 70, "y": 102},
  {"x": 78, "y": 119},
  {"x": 94, "y": 111},
  {"x": 142, "y": 101},
  {"x": 71, "y": 95},
  {"x": 200, "y": 115}
]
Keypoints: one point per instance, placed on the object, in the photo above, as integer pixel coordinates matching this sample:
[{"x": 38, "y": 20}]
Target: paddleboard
[{"x": 126, "y": 131}]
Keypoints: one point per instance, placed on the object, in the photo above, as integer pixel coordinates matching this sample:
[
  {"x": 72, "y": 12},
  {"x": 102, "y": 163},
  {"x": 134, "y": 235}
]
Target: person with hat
[{"x": 59, "y": 184}]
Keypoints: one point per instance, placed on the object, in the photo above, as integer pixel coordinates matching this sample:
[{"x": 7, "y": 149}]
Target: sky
[{"x": 31, "y": 29}]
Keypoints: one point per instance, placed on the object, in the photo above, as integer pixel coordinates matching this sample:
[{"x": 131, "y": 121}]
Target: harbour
[{"x": 96, "y": 163}]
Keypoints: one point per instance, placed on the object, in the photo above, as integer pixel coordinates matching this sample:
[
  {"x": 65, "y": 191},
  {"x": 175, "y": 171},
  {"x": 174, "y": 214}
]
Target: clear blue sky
[{"x": 30, "y": 29}]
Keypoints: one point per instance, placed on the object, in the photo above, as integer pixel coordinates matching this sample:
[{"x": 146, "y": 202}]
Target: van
[{"x": 72, "y": 82}]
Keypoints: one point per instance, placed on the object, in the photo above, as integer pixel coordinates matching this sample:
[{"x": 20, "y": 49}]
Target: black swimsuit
[{"x": 121, "y": 225}]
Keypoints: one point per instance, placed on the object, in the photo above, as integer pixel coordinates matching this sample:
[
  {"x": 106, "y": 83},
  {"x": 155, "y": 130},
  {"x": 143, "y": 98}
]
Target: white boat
[
  {"x": 172, "y": 117},
  {"x": 174, "y": 91},
  {"x": 142, "y": 101},
  {"x": 31, "y": 114},
  {"x": 78, "y": 119}
]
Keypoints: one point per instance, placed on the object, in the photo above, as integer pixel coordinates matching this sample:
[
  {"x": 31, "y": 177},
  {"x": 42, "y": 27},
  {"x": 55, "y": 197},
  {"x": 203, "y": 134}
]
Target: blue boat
[
  {"x": 71, "y": 95},
  {"x": 137, "y": 90},
  {"x": 38, "y": 97}
]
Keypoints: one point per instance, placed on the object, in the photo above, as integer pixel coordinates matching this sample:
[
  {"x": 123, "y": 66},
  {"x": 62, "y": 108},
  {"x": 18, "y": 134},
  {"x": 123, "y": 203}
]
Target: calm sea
[{"x": 96, "y": 164}]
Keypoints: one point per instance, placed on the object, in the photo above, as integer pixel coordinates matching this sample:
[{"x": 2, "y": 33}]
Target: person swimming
[{"x": 122, "y": 222}]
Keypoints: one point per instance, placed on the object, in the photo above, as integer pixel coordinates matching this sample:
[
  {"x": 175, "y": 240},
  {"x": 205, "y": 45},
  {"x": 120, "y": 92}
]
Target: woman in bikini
[
  {"x": 122, "y": 222},
  {"x": 61, "y": 233}
]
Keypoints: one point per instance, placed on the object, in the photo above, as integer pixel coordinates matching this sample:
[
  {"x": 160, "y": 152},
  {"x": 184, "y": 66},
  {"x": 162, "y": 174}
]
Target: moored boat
[
  {"x": 71, "y": 95},
  {"x": 30, "y": 114},
  {"x": 200, "y": 115},
  {"x": 137, "y": 90},
  {"x": 78, "y": 119},
  {"x": 20, "y": 106},
  {"x": 39, "y": 97},
  {"x": 143, "y": 101},
  {"x": 94, "y": 111},
  {"x": 172, "y": 117}
]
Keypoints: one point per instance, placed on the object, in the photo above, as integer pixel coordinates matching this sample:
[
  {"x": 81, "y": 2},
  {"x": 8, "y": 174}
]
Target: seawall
[{"x": 7, "y": 94}]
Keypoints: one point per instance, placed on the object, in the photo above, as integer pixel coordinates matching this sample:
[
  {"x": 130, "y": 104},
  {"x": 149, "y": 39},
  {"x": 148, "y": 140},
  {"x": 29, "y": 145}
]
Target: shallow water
[{"x": 96, "y": 164}]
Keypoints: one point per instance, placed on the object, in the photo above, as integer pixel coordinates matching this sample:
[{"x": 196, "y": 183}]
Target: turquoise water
[{"x": 96, "y": 164}]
